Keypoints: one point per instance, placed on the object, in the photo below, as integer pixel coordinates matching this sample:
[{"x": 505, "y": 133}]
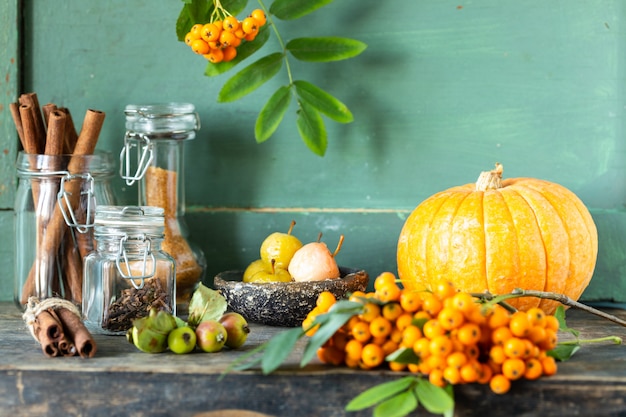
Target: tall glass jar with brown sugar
[{"x": 153, "y": 156}]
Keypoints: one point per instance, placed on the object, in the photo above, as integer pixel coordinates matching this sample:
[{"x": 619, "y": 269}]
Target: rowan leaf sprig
[{"x": 313, "y": 104}]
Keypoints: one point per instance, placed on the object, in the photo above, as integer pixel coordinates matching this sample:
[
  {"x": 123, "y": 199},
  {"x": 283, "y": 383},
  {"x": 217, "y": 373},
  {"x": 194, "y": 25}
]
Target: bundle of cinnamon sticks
[
  {"x": 50, "y": 130},
  {"x": 57, "y": 327}
]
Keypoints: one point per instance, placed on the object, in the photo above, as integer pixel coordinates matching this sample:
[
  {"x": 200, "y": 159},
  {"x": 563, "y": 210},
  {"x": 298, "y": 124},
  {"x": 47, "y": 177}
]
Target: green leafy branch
[{"x": 312, "y": 102}]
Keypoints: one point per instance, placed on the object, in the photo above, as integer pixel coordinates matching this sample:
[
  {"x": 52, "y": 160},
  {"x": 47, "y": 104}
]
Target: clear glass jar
[
  {"x": 54, "y": 212},
  {"x": 128, "y": 273},
  {"x": 153, "y": 155}
]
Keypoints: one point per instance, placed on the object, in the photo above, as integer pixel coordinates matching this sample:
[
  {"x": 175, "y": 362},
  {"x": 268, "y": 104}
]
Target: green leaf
[
  {"x": 563, "y": 352},
  {"x": 290, "y": 9},
  {"x": 397, "y": 406},
  {"x": 403, "y": 355},
  {"x": 278, "y": 349},
  {"x": 322, "y": 101},
  {"x": 243, "y": 51},
  {"x": 311, "y": 128},
  {"x": 205, "y": 304},
  {"x": 329, "y": 324},
  {"x": 381, "y": 392},
  {"x": 251, "y": 77},
  {"x": 560, "y": 316},
  {"x": 434, "y": 399},
  {"x": 325, "y": 49},
  {"x": 272, "y": 114}
]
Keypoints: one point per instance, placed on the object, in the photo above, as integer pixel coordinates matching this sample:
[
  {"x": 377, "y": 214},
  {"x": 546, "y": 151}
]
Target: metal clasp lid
[
  {"x": 65, "y": 203},
  {"x": 145, "y": 154},
  {"x": 146, "y": 257}
]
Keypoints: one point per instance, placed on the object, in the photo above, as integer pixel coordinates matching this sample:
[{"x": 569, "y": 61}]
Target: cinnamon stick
[
  {"x": 48, "y": 331},
  {"x": 70, "y": 132},
  {"x": 17, "y": 119},
  {"x": 72, "y": 268},
  {"x": 77, "y": 332},
  {"x": 40, "y": 129},
  {"x": 30, "y": 142},
  {"x": 47, "y": 109},
  {"x": 55, "y": 136}
]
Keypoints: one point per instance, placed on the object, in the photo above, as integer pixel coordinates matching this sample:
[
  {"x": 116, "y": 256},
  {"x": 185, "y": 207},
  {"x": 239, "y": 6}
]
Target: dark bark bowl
[{"x": 283, "y": 304}]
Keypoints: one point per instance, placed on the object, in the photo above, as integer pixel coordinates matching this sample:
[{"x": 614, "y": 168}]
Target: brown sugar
[{"x": 161, "y": 191}]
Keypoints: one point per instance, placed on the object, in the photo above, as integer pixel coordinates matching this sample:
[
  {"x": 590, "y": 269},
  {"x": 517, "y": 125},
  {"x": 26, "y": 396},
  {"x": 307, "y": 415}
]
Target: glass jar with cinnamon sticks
[
  {"x": 153, "y": 156},
  {"x": 61, "y": 178},
  {"x": 128, "y": 274}
]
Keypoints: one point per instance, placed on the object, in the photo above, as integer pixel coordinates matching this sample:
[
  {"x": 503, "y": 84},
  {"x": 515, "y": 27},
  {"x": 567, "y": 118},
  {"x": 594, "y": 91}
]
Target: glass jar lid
[
  {"x": 129, "y": 220},
  {"x": 166, "y": 121}
]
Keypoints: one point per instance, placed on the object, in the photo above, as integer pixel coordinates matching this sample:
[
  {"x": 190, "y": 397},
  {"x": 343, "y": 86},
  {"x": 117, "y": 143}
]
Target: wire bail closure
[
  {"x": 146, "y": 255},
  {"x": 145, "y": 154},
  {"x": 63, "y": 199}
]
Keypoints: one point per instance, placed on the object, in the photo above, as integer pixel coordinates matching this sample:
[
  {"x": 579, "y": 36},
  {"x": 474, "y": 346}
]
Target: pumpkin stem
[{"x": 490, "y": 180}]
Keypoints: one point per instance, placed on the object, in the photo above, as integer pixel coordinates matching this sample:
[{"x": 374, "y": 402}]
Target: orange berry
[
  {"x": 230, "y": 24},
  {"x": 441, "y": 346},
  {"x": 250, "y": 36},
  {"x": 210, "y": 32},
  {"x": 306, "y": 326},
  {"x": 500, "y": 335},
  {"x": 325, "y": 300},
  {"x": 357, "y": 296},
  {"x": 260, "y": 16},
  {"x": 199, "y": 46},
  {"x": 536, "y": 334},
  {"x": 391, "y": 311},
  {"x": 431, "y": 304},
  {"x": 435, "y": 377},
  {"x": 432, "y": 328},
  {"x": 456, "y": 359},
  {"x": 513, "y": 368},
  {"x": 519, "y": 324},
  {"x": 452, "y": 375},
  {"x": 497, "y": 354},
  {"x": 498, "y": 317},
  {"x": 384, "y": 279},
  {"x": 353, "y": 349},
  {"x": 500, "y": 384},
  {"x": 340, "y": 339},
  {"x": 215, "y": 56},
  {"x": 549, "y": 366},
  {"x": 403, "y": 321},
  {"x": 421, "y": 315},
  {"x": 361, "y": 332},
  {"x": 514, "y": 348},
  {"x": 388, "y": 292},
  {"x": 331, "y": 355},
  {"x": 444, "y": 289},
  {"x": 463, "y": 302},
  {"x": 552, "y": 323},
  {"x": 189, "y": 37},
  {"x": 250, "y": 25},
  {"x": 372, "y": 355},
  {"x": 472, "y": 351},
  {"x": 469, "y": 334},
  {"x": 450, "y": 318},
  {"x": 410, "y": 301},
  {"x": 410, "y": 335},
  {"x": 228, "y": 39},
  {"x": 397, "y": 366},
  {"x": 470, "y": 372},
  {"x": 389, "y": 346},
  {"x": 350, "y": 324},
  {"x": 396, "y": 335},
  {"x": 485, "y": 374},
  {"x": 533, "y": 369},
  {"x": 550, "y": 340},
  {"x": 380, "y": 327},
  {"x": 536, "y": 316},
  {"x": 436, "y": 362},
  {"x": 196, "y": 30},
  {"x": 352, "y": 363},
  {"x": 370, "y": 312},
  {"x": 421, "y": 348}
]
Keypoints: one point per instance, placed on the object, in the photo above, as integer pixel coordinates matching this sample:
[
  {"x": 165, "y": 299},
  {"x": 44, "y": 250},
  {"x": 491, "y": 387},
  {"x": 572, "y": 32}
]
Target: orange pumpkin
[{"x": 499, "y": 235}]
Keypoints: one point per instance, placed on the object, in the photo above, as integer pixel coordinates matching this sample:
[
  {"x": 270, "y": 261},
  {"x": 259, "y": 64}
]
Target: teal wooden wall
[{"x": 444, "y": 90}]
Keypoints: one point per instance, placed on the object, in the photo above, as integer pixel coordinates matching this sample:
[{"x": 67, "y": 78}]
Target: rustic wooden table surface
[{"x": 121, "y": 381}]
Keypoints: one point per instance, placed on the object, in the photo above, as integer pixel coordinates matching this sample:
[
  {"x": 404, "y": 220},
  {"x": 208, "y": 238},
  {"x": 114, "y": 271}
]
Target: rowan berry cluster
[
  {"x": 218, "y": 40},
  {"x": 454, "y": 338}
]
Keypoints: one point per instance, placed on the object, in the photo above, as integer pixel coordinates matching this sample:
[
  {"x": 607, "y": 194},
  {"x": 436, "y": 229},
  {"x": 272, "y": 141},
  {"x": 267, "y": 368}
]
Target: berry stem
[
  {"x": 615, "y": 339},
  {"x": 219, "y": 12},
  {"x": 280, "y": 41}
]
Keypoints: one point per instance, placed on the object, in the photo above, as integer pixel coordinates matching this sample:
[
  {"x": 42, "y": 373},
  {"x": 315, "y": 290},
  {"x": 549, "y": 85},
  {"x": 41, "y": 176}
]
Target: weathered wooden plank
[{"x": 123, "y": 381}]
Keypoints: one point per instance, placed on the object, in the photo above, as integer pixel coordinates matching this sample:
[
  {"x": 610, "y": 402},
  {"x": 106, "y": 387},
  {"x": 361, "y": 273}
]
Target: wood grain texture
[{"x": 120, "y": 380}]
